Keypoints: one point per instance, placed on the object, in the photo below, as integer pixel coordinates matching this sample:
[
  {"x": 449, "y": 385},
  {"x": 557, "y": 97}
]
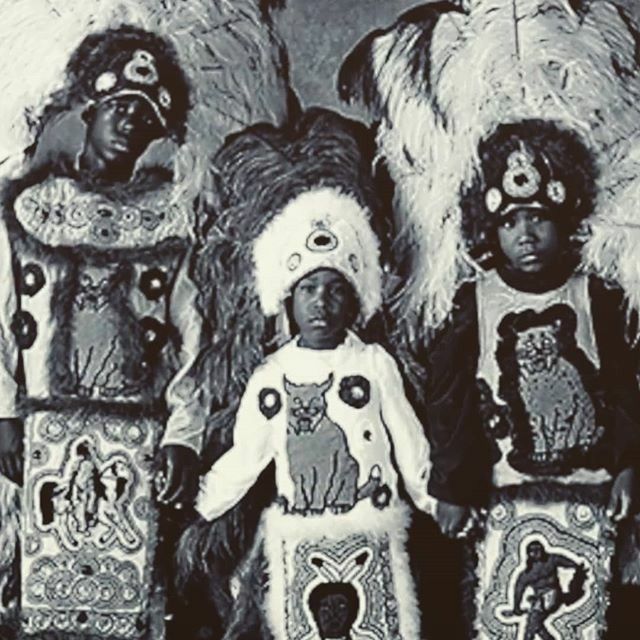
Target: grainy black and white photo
[{"x": 319, "y": 319}]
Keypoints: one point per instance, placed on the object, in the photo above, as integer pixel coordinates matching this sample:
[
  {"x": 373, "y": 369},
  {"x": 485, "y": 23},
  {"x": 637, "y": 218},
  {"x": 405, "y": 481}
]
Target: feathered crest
[
  {"x": 442, "y": 79},
  {"x": 232, "y": 58}
]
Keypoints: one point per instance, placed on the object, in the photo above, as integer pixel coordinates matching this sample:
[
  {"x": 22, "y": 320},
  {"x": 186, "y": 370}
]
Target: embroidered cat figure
[
  {"x": 561, "y": 411},
  {"x": 550, "y": 385},
  {"x": 324, "y": 472}
]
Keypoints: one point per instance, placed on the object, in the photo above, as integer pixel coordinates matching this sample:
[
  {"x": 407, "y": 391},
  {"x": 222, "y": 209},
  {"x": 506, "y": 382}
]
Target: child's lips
[
  {"x": 529, "y": 255},
  {"x": 318, "y": 322}
]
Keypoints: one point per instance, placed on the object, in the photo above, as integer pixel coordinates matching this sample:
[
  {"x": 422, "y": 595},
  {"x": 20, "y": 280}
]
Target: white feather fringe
[{"x": 576, "y": 70}]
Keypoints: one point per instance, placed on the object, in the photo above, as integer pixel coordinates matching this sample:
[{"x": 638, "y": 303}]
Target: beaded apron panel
[
  {"x": 89, "y": 528},
  {"x": 328, "y": 583},
  {"x": 543, "y": 570}
]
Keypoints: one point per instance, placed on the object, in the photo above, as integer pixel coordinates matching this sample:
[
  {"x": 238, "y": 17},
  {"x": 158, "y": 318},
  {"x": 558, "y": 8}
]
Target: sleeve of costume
[
  {"x": 185, "y": 398},
  {"x": 459, "y": 451},
  {"x": 615, "y": 329},
  {"x": 410, "y": 444},
  {"x": 8, "y": 347},
  {"x": 233, "y": 474}
]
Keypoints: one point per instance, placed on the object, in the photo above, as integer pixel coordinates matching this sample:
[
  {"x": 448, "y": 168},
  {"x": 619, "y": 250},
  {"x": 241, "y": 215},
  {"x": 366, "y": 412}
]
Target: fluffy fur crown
[{"x": 322, "y": 228}]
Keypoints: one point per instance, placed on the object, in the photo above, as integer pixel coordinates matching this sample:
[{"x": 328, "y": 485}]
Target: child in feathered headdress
[
  {"x": 328, "y": 409},
  {"x": 99, "y": 321},
  {"x": 531, "y": 399}
]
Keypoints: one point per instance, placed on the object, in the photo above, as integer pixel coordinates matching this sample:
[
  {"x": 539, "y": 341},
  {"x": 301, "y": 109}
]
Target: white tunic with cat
[{"x": 330, "y": 420}]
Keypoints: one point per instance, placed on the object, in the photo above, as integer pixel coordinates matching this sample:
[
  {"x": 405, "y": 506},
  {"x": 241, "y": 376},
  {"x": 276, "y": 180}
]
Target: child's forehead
[
  {"x": 525, "y": 212},
  {"x": 322, "y": 275}
]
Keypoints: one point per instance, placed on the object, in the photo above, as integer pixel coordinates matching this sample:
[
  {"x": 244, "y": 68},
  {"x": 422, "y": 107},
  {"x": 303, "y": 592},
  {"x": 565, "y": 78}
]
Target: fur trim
[
  {"x": 248, "y": 619},
  {"x": 320, "y": 228},
  {"x": 221, "y": 545},
  {"x": 10, "y": 495},
  {"x": 572, "y": 63},
  {"x": 234, "y": 62}
]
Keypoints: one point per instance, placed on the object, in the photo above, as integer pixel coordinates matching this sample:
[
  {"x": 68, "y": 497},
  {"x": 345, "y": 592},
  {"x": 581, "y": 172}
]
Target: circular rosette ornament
[
  {"x": 521, "y": 179},
  {"x": 153, "y": 283},
  {"x": 501, "y": 514},
  {"x": 31, "y": 279},
  {"x": 269, "y": 402},
  {"x": 355, "y": 391},
  {"x": 381, "y": 497},
  {"x": 556, "y": 192},
  {"x": 154, "y": 334},
  {"x": 321, "y": 238},
  {"x": 582, "y": 516},
  {"x": 24, "y": 328}
]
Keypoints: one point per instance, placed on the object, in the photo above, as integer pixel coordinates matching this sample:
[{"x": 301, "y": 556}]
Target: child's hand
[
  {"x": 451, "y": 518},
  {"x": 11, "y": 449},
  {"x": 622, "y": 495},
  {"x": 177, "y": 480}
]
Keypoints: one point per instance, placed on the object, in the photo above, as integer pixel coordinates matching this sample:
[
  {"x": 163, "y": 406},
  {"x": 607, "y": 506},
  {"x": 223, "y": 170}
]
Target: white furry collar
[{"x": 58, "y": 213}]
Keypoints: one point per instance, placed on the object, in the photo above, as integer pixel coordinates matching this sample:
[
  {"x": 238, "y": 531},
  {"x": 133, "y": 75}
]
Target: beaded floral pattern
[{"x": 59, "y": 214}]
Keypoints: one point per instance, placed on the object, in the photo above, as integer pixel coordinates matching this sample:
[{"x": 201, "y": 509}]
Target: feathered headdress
[
  {"x": 445, "y": 76},
  {"x": 234, "y": 63}
]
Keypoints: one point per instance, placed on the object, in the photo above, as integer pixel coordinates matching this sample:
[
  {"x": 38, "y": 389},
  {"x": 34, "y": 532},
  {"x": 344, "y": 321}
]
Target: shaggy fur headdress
[
  {"x": 445, "y": 76},
  {"x": 322, "y": 228},
  {"x": 227, "y": 49}
]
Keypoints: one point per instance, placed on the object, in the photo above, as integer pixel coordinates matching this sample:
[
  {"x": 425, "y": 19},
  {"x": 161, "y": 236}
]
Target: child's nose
[
  {"x": 322, "y": 298},
  {"x": 525, "y": 228}
]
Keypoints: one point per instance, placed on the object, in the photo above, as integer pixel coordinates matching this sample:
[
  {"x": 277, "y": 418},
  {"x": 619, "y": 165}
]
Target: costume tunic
[
  {"x": 339, "y": 427},
  {"x": 99, "y": 335},
  {"x": 552, "y": 416}
]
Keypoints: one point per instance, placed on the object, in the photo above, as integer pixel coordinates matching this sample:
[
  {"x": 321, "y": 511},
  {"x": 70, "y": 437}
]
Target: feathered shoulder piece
[
  {"x": 446, "y": 75},
  {"x": 233, "y": 62}
]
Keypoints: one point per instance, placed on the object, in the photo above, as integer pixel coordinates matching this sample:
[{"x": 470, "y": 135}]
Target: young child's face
[
  {"x": 529, "y": 239},
  {"x": 323, "y": 308},
  {"x": 120, "y": 129}
]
